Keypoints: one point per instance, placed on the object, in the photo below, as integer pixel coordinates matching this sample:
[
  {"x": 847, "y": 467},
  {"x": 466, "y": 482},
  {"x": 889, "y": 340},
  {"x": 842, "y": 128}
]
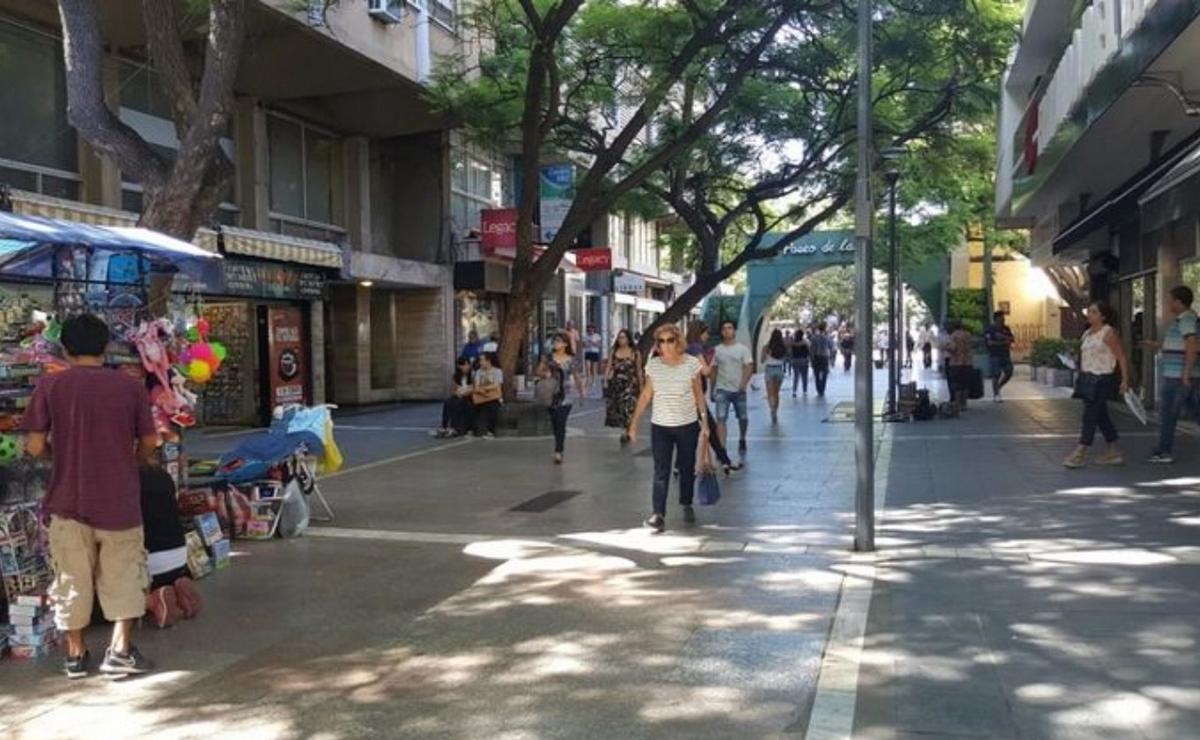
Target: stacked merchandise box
[{"x": 25, "y": 574}]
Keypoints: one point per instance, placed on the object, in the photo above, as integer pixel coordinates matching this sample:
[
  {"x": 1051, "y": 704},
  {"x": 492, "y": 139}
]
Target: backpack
[{"x": 924, "y": 410}]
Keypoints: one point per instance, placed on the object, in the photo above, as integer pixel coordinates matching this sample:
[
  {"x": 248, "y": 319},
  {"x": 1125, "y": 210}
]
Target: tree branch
[
  {"x": 87, "y": 110},
  {"x": 165, "y": 45}
]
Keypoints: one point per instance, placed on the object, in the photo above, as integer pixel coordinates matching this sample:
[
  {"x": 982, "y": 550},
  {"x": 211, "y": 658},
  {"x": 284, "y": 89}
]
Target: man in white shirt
[{"x": 735, "y": 367}]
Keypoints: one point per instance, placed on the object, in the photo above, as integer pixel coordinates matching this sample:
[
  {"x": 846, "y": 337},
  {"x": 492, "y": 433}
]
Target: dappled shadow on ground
[
  {"x": 1021, "y": 600},
  {"x": 629, "y": 640}
]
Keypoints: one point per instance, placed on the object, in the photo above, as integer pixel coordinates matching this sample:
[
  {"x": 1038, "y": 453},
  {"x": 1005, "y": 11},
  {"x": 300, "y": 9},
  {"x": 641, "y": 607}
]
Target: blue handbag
[{"x": 708, "y": 491}]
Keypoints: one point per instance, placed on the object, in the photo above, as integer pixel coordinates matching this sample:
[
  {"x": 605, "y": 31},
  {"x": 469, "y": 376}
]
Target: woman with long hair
[
  {"x": 1100, "y": 354},
  {"x": 774, "y": 357},
  {"x": 623, "y": 383},
  {"x": 458, "y": 411},
  {"x": 800, "y": 356},
  {"x": 560, "y": 366},
  {"x": 679, "y": 421}
]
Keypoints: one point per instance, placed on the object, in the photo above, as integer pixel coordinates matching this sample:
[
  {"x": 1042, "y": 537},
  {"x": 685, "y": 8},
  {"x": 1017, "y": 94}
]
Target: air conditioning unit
[{"x": 386, "y": 11}]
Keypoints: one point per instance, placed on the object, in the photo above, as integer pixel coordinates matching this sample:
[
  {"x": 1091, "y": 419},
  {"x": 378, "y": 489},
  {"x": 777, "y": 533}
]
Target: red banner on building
[
  {"x": 285, "y": 353},
  {"x": 498, "y": 231},
  {"x": 593, "y": 260}
]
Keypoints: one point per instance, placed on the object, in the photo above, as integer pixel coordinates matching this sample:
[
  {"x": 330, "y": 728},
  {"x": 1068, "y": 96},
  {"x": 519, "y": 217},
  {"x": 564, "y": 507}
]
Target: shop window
[
  {"x": 38, "y": 149},
  {"x": 383, "y": 341},
  {"x": 301, "y": 170}
]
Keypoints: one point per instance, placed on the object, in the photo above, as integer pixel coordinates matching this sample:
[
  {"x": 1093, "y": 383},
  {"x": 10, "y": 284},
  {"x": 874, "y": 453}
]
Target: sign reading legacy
[{"x": 593, "y": 260}]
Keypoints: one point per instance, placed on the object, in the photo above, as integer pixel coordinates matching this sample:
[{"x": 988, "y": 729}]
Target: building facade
[
  {"x": 341, "y": 215},
  {"x": 1098, "y": 149}
]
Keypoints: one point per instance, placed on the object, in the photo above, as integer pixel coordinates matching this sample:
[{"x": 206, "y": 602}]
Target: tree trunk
[
  {"x": 513, "y": 331},
  {"x": 680, "y": 308}
]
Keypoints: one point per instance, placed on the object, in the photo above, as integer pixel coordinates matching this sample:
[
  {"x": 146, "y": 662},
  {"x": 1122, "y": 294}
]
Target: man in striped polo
[{"x": 1178, "y": 370}]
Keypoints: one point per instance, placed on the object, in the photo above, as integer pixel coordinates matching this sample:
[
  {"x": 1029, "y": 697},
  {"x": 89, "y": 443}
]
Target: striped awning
[
  {"x": 207, "y": 240},
  {"x": 265, "y": 245},
  {"x": 34, "y": 204}
]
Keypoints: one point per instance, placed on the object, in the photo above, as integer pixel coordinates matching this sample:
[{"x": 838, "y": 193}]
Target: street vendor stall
[{"x": 68, "y": 269}]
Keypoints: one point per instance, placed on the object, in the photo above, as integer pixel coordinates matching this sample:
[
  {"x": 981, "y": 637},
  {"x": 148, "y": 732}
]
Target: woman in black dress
[{"x": 622, "y": 383}]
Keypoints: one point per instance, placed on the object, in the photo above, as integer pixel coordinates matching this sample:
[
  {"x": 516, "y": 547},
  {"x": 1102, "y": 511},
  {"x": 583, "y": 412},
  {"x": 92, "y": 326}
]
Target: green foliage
[
  {"x": 966, "y": 305},
  {"x": 1045, "y": 352}
]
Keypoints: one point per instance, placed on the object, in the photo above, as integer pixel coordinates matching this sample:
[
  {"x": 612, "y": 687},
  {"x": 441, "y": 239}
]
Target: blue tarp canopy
[{"x": 30, "y": 245}]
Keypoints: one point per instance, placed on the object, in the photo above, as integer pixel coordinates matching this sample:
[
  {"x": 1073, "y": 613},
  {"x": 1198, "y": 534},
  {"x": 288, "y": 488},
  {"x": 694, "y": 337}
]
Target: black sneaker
[
  {"x": 733, "y": 467},
  {"x": 656, "y": 523},
  {"x": 77, "y": 667},
  {"x": 689, "y": 515},
  {"x": 132, "y": 663}
]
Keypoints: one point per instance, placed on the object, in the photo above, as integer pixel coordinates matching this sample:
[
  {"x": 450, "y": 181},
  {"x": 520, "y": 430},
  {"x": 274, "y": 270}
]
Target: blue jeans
[
  {"x": 735, "y": 398},
  {"x": 679, "y": 443},
  {"x": 1176, "y": 400},
  {"x": 558, "y": 421}
]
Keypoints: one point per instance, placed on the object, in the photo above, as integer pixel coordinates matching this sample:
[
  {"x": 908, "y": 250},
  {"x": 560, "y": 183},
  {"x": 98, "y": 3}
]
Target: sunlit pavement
[
  {"x": 1017, "y": 599},
  {"x": 1010, "y": 598}
]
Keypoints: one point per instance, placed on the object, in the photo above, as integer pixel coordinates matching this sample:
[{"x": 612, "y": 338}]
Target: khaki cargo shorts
[{"x": 91, "y": 562}]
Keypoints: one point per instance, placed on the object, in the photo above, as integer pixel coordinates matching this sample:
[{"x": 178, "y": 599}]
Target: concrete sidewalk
[
  {"x": 1014, "y": 598},
  {"x": 473, "y": 589}
]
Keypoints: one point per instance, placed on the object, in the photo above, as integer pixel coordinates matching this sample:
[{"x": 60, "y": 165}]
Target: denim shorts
[
  {"x": 998, "y": 365},
  {"x": 775, "y": 372},
  {"x": 737, "y": 399}
]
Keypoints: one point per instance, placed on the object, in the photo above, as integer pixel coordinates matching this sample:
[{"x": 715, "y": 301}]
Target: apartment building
[{"x": 344, "y": 200}]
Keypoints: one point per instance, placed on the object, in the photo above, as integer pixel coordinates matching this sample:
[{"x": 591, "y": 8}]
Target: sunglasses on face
[{"x": 668, "y": 340}]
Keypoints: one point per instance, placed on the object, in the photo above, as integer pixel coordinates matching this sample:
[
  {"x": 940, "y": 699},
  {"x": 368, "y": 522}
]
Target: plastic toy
[{"x": 10, "y": 449}]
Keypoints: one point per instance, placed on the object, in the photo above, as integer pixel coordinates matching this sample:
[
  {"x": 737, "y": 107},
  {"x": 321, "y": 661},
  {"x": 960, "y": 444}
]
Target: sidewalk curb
[{"x": 835, "y": 698}]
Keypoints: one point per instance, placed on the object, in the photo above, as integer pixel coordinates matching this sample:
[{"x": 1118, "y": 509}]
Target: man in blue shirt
[
  {"x": 1177, "y": 368},
  {"x": 471, "y": 349},
  {"x": 999, "y": 339}
]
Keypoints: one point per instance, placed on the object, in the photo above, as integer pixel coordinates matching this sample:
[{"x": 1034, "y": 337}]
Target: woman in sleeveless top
[
  {"x": 623, "y": 384},
  {"x": 1100, "y": 354},
  {"x": 561, "y": 366}
]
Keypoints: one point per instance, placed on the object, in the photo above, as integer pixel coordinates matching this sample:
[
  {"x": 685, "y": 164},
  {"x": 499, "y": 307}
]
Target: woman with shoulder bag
[
  {"x": 488, "y": 393},
  {"x": 678, "y": 423},
  {"x": 1101, "y": 354},
  {"x": 555, "y": 370}
]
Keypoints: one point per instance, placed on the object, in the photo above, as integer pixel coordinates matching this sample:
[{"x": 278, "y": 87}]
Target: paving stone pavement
[
  {"x": 434, "y": 607},
  {"x": 1009, "y": 598}
]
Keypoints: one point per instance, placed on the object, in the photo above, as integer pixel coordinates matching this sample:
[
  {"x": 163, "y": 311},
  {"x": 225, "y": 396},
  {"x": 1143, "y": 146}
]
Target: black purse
[{"x": 1090, "y": 387}]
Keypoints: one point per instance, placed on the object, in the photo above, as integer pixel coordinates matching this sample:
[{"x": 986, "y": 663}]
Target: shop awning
[
  {"x": 624, "y": 299},
  {"x": 1173, "y": 196},
  {"x": 29, "y": 246},
  {"x": 280, "y": 248},
  {"x": 1125, "y": 198},
  {"x": 34, "y": 204}
]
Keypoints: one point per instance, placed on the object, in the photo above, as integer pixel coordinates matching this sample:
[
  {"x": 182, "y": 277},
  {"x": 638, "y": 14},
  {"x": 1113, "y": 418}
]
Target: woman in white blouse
[
  {"x": 1100, "y": 355},
  {"x": 678, "y": 423}
]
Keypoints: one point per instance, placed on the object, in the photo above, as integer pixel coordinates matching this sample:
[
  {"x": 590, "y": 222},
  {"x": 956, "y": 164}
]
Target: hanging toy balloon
[
  {"x": 193, "y": 335},
  {"x": 10, "y": 449},
  {"x": 199, "y": 371},
  {"x": 219, "y": 350},
  {"x": 202, "y": 329}
]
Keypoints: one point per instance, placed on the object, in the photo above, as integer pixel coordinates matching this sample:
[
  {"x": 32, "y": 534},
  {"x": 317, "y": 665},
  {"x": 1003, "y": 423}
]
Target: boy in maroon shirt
[{"x": 98, "y": 424}]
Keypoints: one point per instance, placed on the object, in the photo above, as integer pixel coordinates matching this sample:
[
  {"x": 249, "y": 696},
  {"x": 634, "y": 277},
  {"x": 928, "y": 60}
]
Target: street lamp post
[
  {"x": 864, "y": 215},
  {"x": 891, "y": 175}
]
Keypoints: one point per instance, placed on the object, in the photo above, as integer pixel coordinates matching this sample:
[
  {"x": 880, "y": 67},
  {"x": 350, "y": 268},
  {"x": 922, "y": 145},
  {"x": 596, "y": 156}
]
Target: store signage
[
  {"x": 556, "y": 191},
  {"x": 259, "y": 280},
  {"x": 286, "y": 353},
  {"x": 498, "y": 231},
  {"x": 628, "y": 282},
  {"x": 594, "y": 259}
]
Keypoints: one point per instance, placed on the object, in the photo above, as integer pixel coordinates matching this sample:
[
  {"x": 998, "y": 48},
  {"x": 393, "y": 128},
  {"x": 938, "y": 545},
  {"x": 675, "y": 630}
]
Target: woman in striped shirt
[{"x": 678, "y": 423}]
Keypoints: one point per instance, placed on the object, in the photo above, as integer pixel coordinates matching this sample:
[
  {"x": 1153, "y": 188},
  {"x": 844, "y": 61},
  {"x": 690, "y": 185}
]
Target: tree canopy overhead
[{"x": 737, "y": 116}]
